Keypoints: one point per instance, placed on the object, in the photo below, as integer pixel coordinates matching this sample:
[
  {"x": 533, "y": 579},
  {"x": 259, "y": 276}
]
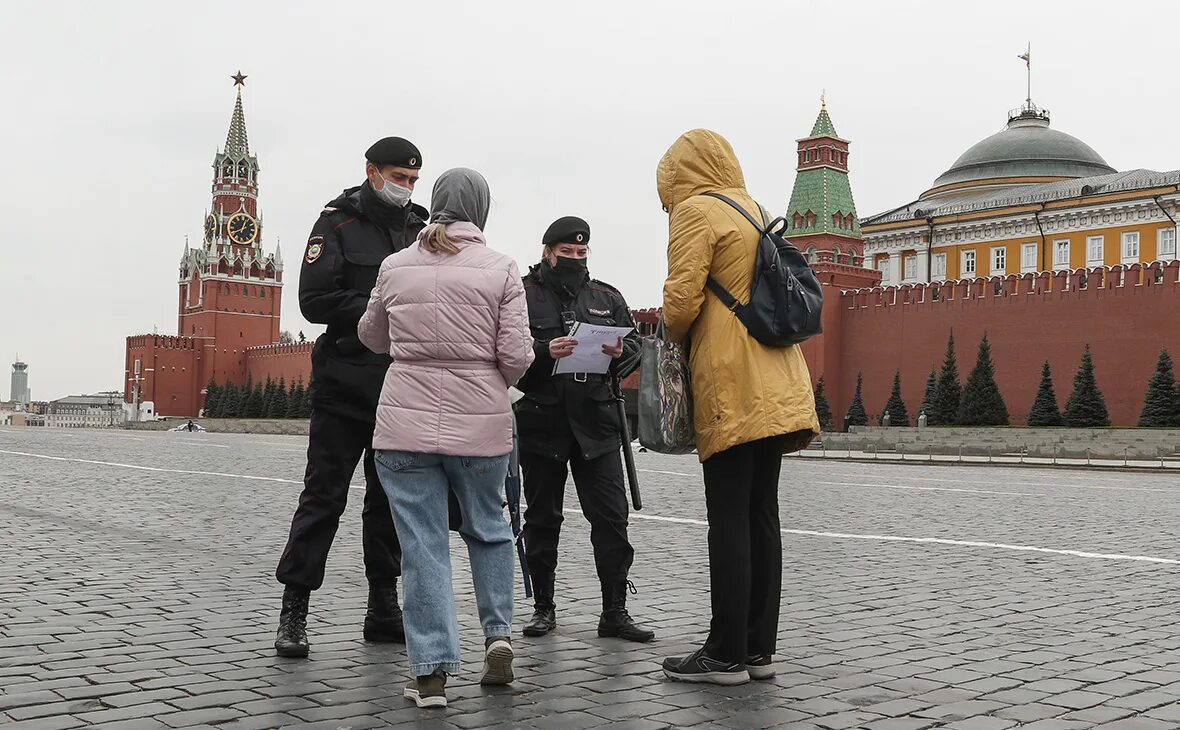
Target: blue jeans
[{"x": 417, "y": 486}]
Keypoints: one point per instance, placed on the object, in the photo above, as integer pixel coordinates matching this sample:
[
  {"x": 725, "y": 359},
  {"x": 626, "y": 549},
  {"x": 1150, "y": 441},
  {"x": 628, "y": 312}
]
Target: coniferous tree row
[
  {"x": 895, "y": 406},
  {"x": 305, "y": 407},
  {"x": 857, "y": 416},
  {"x": 981, "y": 403},
  {"x": 1086, "y": 406},
  {"x": 946, "y": 401},
  {"x": 1044, "y": 410},
  {"x": 295, "y": 400},
  {"x": 930, "y": 396},
  {"x": 256, "y": 402},
  {"x": 231, "y": 402},
  {"x": 1161, "y": 408},
  {"x": 227, "y": 401},
  {"x": 212, "y": 398},
  {"x": 268, "y": 395},
  {"x": 278, "y": 400},
  {"x": 822, "y": 409}
]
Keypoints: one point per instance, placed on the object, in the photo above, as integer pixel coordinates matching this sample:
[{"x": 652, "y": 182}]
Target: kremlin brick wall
[{"x": 1125, "y": 313}]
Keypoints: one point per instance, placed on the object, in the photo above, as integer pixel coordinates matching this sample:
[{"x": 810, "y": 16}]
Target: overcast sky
[{"x": 114, "y": 110}]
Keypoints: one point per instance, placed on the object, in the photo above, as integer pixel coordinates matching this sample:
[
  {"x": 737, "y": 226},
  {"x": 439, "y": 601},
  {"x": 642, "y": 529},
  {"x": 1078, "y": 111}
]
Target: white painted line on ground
[
  {"x": 939, "y": 489},
  {"x": 925, "y": 540},
  {"x": 152, "y": 468},
  {"x": 685, "y": 520},
  {"x": 673, "y": 473}
]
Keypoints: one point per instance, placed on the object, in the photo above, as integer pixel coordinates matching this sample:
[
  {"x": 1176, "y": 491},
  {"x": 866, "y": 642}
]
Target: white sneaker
[{"x": 497, "y": 662}]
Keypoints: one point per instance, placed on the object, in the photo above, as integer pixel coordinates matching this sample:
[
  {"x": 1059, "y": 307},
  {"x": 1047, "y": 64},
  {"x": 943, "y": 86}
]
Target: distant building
[
  {"x": 1025, "y": 200},
  {"x": 19, "y": 392},
  {"x": 100, "y": 410}
]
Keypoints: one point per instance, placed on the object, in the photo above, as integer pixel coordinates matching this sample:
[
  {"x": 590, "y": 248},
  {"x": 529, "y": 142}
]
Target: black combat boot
[
  {"x": 291, "y": 639},
  {"x": 615, "y": 620},
  {"x": 544, "y": 617},
  {"x": 383, "y": 620}
]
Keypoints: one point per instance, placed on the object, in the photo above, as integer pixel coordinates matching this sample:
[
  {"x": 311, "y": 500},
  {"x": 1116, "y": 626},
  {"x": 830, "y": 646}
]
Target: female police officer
[{"x": 568, "y": 422}]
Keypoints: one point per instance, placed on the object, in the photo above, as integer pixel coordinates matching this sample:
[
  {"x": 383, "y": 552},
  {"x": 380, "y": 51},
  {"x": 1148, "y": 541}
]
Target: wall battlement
[
  {"x": 275, "y": 349},
  {"x": 1095, "y": 283},
  {"x": 165, "y": 342}
]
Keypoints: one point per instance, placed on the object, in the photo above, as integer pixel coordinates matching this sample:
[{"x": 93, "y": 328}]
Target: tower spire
[{"x": 237, "y": 146}]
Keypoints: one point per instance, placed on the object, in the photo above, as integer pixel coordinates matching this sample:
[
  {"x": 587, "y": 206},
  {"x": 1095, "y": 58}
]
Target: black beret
[
  {"x": 570, "y": 229},
  {"x": 394, "y": 151}
]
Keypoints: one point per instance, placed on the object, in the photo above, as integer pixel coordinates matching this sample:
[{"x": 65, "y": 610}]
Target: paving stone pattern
[{"x": 145, "y": 598}]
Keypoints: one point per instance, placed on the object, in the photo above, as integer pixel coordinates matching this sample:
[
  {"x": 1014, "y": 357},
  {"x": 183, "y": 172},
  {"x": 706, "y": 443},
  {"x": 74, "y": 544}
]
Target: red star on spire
[{"x": 239, "y": 79}]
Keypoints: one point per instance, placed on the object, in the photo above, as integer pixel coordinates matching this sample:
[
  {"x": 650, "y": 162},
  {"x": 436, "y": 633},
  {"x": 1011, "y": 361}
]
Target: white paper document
[{"x": 588, "y": 356}]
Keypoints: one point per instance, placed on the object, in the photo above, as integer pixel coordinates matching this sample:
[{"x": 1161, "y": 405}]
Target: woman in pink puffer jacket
[{"x": 451, "y": 312}]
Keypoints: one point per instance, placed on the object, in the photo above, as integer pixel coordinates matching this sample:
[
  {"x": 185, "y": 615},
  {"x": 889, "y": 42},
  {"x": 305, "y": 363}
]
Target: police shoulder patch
[{"x": 315, "y": 248}]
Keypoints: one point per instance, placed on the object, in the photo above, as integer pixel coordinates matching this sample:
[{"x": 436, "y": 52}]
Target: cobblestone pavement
[{"x": 915, "y": 596}]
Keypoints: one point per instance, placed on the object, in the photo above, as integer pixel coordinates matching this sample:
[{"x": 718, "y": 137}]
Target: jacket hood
[{"x": 700, "y": 161}]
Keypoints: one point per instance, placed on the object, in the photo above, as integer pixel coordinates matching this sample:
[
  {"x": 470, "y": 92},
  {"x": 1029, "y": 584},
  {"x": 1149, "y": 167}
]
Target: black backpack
[{"x": 785, "y": 297}]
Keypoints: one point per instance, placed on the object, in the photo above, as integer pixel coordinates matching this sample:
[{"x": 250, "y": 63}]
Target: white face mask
[{"x": 394, "y": 195}]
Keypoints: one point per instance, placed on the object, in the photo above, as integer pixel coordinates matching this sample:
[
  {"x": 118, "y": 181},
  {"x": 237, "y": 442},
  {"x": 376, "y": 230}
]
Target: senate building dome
[{"x": 1026, "y": 151}]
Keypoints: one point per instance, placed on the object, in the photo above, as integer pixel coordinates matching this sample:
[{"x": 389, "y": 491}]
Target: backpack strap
[
  {"x": 740, "y": 209},
  {"x": 729, "y": 300}
]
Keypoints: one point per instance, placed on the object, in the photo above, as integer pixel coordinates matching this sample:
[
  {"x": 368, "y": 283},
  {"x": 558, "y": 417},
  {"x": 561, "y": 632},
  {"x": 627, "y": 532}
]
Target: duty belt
[{"x": 583, "y": 377}]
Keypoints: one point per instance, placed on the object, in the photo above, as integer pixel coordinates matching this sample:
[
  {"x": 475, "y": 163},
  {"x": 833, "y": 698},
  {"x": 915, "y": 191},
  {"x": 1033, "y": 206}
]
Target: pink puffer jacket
[{"x": 457, "y": 328}]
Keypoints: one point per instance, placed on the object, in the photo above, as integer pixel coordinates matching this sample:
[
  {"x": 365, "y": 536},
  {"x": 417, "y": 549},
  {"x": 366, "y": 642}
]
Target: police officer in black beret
[
  {"x": 353, "y": 235},
  {"x": 569, "y": 422}
]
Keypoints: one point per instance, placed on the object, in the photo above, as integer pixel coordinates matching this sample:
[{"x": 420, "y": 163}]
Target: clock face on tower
[
  {"x": 210, "y": 228},
  {"x": 242, "y": 228}
]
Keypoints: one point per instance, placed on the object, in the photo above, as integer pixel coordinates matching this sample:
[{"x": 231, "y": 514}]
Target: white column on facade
[
  {"x": 895, "y": 272},
  {"x": 924, "y": 263}
]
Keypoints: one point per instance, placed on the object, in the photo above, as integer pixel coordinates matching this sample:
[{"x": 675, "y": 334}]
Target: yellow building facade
[{"x": 1027, "y": 199}]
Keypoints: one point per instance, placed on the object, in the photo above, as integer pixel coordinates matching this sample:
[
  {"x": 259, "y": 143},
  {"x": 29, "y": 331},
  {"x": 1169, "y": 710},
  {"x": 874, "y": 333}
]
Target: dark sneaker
[
  {"x": 761, "y": 666},
  {"x": 497, "y": 661},
  {"x": 697, "y": 667},
  {"x": 428, "y": 691}
]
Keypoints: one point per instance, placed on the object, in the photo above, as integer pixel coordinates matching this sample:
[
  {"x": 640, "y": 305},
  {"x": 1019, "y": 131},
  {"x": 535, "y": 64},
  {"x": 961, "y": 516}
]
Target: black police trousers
[
  {"x": 602, "y": 495},
  {"x": 335, "y": 445},
  {"x": 745, "y": 549}
]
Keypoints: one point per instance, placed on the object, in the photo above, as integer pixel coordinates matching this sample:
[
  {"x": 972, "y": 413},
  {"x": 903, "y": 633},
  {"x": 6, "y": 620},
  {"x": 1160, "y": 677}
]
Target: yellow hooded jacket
[{"x": 742, "y": 390}]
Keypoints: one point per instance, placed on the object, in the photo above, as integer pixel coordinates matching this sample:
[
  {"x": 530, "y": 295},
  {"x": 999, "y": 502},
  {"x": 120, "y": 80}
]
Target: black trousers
[
  {"x": 602, "y": 495},
  {"x": 745, "y": 549},
  {"x": 335, "y": 445}
]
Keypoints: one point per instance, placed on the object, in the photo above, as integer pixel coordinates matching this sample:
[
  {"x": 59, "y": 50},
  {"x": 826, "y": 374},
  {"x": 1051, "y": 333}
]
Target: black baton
[{"x": 628, "y": 457}]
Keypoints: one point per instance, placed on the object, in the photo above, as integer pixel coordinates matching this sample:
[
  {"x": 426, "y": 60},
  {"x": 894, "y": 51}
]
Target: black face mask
[{"x": 570, "y": 274}]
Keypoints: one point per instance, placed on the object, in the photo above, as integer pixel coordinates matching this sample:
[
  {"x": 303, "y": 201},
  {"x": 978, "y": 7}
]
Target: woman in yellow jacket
[{"x": 752, "y": 404}]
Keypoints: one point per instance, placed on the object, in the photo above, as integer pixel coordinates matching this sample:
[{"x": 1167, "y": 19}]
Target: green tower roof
[
  {"x": 236, "y": 145},
  {"x": 823, "y": 124},
  {"x": 822, "y": 191}
]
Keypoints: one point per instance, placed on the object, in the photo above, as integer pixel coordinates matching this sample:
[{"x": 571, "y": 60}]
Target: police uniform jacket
[
  {"x": 558, "y": 413},
  {"x": 353, "y": 236}
]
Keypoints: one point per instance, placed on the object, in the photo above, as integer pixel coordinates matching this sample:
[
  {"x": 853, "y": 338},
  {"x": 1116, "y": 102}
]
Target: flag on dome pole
[{"x": 1026, "y": 57}]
